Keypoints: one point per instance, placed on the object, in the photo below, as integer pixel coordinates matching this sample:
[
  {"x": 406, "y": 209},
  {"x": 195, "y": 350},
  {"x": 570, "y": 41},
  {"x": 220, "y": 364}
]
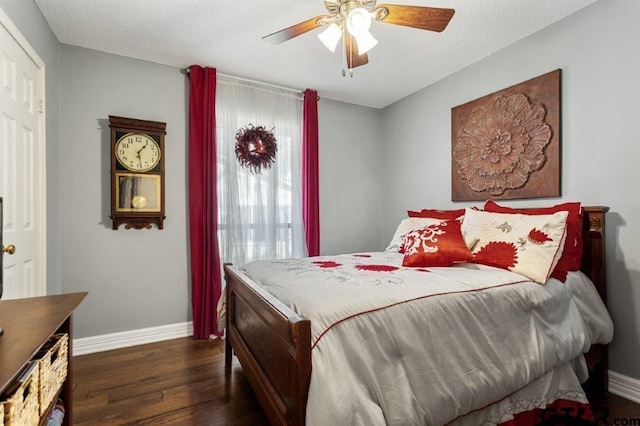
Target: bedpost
[
  {"x": 593, "y": 257},
  {"x": 594, "y": 266},
  {"x": 228, "y": 350}
]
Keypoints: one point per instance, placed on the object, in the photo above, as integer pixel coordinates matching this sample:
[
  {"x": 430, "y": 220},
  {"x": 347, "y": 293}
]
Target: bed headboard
[{"x": 593, "y": 257}]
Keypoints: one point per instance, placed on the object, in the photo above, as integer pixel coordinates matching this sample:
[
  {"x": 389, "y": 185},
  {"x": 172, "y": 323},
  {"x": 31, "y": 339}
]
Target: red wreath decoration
[{"x": 256, "y": 148}]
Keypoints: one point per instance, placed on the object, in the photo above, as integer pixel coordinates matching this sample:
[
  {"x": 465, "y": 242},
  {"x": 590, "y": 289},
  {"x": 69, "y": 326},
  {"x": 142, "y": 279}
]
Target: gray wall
[
  {"x": 350, "y": 163},
  {"x": 135, "y": 278},
  {"x": 27, "y": 17},
  {"x": 597, "y": 51}
]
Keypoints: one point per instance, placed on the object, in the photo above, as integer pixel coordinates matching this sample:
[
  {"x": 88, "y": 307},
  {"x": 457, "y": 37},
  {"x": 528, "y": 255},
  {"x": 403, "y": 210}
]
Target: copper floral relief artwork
[{"x": 506, "y": 145}]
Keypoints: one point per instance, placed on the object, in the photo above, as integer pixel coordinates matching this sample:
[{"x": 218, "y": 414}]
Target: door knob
[{"x": 10, "y": 249}]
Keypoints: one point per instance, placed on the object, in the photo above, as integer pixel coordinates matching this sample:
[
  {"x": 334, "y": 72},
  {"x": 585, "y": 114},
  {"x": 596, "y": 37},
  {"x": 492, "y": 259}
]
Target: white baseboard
[
  {"x": 124, "y": 339},
  {"x": 624, "y": 386}
]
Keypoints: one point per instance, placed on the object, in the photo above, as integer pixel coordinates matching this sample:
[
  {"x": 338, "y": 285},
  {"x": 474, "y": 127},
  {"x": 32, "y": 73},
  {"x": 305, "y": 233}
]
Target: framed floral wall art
[{"x": 506, "y": 145}]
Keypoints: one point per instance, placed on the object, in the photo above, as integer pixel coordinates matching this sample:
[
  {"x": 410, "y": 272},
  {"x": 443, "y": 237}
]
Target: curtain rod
[{"x": 275, "y": 86}]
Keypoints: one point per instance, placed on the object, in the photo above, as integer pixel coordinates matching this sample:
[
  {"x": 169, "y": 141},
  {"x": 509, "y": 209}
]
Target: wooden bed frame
[{"x": 273, "y": 343}]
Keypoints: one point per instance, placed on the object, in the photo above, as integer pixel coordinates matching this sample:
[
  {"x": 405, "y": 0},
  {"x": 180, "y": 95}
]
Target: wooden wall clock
[{"x": 137, "y": 172}]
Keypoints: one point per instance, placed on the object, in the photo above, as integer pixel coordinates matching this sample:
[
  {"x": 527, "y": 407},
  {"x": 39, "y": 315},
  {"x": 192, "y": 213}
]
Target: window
[{"x": 259, "y": 215}]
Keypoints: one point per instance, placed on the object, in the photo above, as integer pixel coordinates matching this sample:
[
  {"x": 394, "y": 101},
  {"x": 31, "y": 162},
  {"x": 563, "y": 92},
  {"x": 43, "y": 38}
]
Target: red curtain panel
[
  {"x": 205, "y": 257},
  {"x": 310, "y": 180}
]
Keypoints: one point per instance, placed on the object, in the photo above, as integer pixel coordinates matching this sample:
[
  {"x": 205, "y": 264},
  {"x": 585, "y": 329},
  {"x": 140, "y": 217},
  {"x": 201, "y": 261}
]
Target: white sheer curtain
[{"x": 260, "y": 215}]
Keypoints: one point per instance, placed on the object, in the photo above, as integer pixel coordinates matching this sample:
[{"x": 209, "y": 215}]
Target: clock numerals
[{"x": 137, "y": 152}]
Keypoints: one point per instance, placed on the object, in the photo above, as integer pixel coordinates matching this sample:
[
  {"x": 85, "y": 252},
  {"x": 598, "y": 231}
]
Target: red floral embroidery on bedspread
[
  {"x": 377, "y": 268},
  {"x": 361, "y": 255},
  {"x": 327, "y": 263}
]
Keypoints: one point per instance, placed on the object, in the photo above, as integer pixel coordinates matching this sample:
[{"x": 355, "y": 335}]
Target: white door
[{"x": 21, "y": 163}]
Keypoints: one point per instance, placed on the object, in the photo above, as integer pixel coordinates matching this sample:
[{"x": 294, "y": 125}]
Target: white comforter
[{"x": 394, "y": 345}]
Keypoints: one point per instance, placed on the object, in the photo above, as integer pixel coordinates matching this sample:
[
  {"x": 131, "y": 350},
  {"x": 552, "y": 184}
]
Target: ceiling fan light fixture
[
  {"x": 358, "y": 21},
  {"x": 350, "y": 20},
  {"x": 358, "y": 24},
  {"x": 331, "y": 36},
  {"x": 365, "y": 42}
]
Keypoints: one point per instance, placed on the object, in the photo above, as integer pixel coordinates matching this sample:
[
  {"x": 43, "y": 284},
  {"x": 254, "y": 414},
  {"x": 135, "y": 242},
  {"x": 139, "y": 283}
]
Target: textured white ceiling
[{"x": 227, "y": 34}]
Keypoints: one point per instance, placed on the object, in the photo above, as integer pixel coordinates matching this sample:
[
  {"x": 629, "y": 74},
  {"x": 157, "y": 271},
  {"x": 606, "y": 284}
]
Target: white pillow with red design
[
  {"x": 528, "y": 245},
  {"x": 406, "y": 226}
]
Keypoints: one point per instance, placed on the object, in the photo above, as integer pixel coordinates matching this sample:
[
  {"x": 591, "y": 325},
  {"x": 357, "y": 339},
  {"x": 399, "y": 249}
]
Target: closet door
[{"x": 21, "y": 164}]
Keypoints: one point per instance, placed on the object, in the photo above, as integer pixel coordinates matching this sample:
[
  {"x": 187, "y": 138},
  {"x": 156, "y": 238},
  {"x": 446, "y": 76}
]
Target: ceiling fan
[{"x": 351, "y": 20}]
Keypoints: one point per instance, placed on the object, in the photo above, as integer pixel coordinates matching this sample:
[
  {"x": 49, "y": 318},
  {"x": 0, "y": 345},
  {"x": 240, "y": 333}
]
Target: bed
[{"x": 274, "y": 345}]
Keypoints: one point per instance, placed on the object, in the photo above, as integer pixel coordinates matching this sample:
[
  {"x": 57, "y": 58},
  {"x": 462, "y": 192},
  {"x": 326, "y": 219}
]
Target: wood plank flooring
[
  {"x": 178, "y": 381},
  {"x": 182, "y": 382}
]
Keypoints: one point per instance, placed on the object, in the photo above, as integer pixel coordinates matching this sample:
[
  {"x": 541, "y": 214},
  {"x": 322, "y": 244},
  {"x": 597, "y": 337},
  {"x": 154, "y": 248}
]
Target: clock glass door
[{"x": 138, "y": 193}]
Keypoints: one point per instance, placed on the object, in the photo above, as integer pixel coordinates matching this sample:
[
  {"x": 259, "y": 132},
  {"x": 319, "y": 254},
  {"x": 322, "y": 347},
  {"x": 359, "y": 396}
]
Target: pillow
[
  {"x": 572, "y": 252},
  {"x": 437, "y": 214},
  {"x": 527, "y": 244},
  {"x": 440, "y": 244},
  {"x": 408, "y": 225}
]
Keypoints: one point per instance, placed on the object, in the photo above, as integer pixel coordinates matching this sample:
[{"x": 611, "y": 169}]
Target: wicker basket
[
  {"x": 22, "y": 407},
  {"x": 53, "y": 360},
  {"x": 1, "y": 414}
]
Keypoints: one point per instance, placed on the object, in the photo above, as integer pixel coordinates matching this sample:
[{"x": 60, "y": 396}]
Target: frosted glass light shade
[
  {"x": 331, "y": 36},
  {"x": 358, "y": 21},
  {"x": 365, "y": 42}
]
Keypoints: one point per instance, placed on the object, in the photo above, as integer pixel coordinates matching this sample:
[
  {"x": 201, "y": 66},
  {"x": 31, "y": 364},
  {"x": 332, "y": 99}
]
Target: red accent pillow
[
  {"x": 437, "y": 214},
  {"x": 441, "y": 244},
  {"x": 571, "y": 258}
]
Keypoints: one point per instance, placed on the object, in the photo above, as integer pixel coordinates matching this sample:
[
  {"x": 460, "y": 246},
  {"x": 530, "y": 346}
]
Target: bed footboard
[{"x": 273, "y": 345}]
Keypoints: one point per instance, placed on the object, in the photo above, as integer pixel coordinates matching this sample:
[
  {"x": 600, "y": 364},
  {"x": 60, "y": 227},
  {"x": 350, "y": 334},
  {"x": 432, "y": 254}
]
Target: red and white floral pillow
[
  {"x": 408, "y": 225},
  {"x": 572, "y": 251},
  {"x": 439, "y": 244},
  {"x": 526, "y": 244}
]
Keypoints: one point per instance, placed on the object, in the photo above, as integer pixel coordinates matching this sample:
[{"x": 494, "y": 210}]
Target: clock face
[{"x": 138, "y": 152}]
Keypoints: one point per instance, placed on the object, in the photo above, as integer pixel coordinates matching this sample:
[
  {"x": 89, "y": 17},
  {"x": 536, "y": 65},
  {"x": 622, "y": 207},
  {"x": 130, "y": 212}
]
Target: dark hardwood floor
[
  {"x": 178, "y": 381},
  {"x": 182, "y": 382}
]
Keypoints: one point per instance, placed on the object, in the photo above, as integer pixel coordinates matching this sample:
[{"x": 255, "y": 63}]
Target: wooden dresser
[{"x": 28, "y": 324}]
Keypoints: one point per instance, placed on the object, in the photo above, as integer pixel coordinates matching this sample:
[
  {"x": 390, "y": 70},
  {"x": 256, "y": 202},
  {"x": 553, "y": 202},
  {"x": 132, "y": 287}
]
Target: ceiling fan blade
[
  {"x": 424, "y": 18},
  {"x": 294, "y": 30},
  {"x": 351, "y": 52}
]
